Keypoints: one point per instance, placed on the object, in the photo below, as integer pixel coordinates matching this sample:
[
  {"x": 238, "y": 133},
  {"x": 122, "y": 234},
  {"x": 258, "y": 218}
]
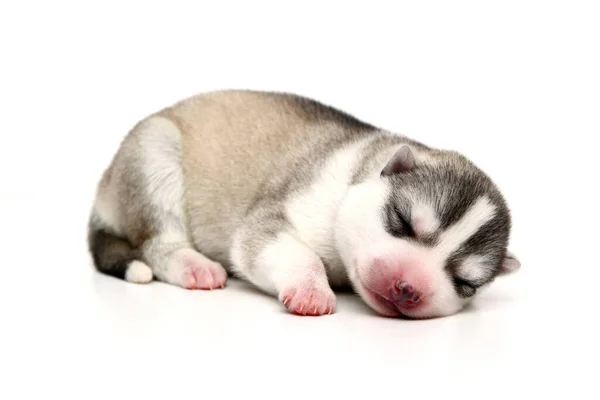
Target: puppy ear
[
  {"x": 402, "y": 161},
  {"x": 510, "y": 264}
]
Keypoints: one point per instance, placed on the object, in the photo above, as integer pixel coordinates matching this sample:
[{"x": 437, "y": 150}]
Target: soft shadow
[
  {"x": 245, "y": 287},
  {"x": 364, "y": 308}
]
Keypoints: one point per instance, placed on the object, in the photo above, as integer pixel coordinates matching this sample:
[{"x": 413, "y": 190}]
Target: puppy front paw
[{"x": 308, "y": 300}]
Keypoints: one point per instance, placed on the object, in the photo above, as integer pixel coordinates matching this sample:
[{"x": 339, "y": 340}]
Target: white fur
[
  {"x": 473, "y": 268},
  {"x": 475, "y": 217},
  {"x": 138, "y": 272},
  {"x": 313, "y": 211},
  {"x": 160, "y": 142},
  {"x": 286, "y": 262},
  {"x": 424, "y": 219},
  {"x": 361, "y": 236},
  {"x": 171, "y": 235},
  {"x": 359, "y": 226}
]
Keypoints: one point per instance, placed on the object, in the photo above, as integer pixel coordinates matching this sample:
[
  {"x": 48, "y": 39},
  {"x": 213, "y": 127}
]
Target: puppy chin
[
  {"x": 376, "y": 302},
  {"x": 431, "y": 311},
  {"x": 386, "y": 308}
]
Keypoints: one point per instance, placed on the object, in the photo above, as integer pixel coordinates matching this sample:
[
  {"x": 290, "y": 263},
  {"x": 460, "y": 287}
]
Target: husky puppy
[{"x": 297, "y": 197}]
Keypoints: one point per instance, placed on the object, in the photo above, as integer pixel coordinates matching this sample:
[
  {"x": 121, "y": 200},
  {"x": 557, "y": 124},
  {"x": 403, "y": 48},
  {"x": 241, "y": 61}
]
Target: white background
[{"x": 515, "y": 85}]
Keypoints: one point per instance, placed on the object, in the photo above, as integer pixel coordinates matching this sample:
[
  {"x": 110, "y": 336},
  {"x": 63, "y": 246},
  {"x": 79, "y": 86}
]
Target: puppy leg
[
  {"x": 268, "y": 255},
  {"x": 173, "y": 260},
  {"x": 138, "y": 228}
]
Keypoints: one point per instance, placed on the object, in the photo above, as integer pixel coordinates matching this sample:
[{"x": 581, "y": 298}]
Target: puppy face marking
[
  {"x": 473, "y": 268},
  {"x": 424, "y": 220},
  {"x": 477, "y": 215}
]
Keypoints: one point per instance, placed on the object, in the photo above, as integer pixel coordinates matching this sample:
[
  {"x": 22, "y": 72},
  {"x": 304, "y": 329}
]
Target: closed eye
[
  {"x": 396, "y": 224},
  {"x": 465, "y": 288},
  {"x": 409, "y": 230}
]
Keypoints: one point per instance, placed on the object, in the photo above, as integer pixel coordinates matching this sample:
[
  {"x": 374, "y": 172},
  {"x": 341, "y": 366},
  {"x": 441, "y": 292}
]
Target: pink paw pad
[
  {"x": 204, "y": 276},
  {"x": 309, "y": 301}
]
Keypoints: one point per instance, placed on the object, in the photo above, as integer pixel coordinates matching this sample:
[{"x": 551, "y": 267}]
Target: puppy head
[{"x": 424, "y": 235}]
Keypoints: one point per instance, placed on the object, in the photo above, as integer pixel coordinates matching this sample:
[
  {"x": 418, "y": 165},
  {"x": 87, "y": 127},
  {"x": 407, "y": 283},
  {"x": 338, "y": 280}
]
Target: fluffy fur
[{"x": 297, "y": 198}]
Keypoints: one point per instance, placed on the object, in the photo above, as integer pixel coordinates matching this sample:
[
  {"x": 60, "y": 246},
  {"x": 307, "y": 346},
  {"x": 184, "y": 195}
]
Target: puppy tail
[{"x": 114, "y": 256}]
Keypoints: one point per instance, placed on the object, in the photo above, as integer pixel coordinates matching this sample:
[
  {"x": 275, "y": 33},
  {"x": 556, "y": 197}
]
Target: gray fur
[{"x": 380, "y": 150}]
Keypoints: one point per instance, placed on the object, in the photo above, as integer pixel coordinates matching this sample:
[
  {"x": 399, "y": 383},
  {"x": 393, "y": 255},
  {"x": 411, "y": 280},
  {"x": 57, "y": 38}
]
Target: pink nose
[{"x": 406, "y": 295}]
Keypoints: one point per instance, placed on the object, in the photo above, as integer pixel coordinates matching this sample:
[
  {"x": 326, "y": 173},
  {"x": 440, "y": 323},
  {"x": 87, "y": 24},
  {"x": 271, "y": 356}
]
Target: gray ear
[
  {"x": 510, "y": 264},
  {"x": 402, "y": 161}
]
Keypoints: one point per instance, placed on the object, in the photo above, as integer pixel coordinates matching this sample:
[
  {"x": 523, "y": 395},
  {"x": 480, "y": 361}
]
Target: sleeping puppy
[{"x": 297, "y": 198}]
